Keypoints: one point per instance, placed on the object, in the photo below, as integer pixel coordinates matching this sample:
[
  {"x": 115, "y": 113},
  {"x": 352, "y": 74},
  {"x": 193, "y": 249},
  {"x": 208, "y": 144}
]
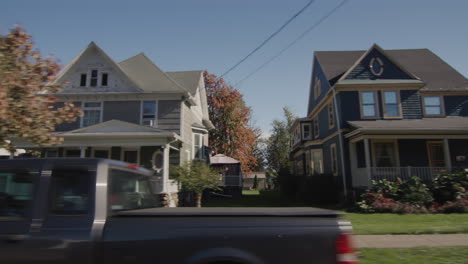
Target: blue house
[{"x": 382, "y": 114}]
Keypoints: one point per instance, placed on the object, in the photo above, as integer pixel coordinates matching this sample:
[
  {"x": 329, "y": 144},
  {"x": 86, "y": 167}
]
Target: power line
[
  {"x": 270, "y": 37},
  {"x": 294, "y": 42}
]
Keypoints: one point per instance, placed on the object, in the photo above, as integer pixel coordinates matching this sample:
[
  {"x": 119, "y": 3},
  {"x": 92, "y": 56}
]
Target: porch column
[
  {"x": 165, "y": 168},
  {"x": 82, "y": 152},
  {"x": 368, "y": 162},
  {"x": 448, "y": 161}
]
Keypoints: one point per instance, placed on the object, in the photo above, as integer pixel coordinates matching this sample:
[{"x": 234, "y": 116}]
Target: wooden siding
[
  {"x": 348, "y": 107},
  {"x": 391, "y": 71},
  {"x": 169, "y": 115},
  {"x": 411, "y": 104},
  {"x": 128, "y": 111},
  {"x": 324, "y": 86},
  {"x": 456, "y": 105}
]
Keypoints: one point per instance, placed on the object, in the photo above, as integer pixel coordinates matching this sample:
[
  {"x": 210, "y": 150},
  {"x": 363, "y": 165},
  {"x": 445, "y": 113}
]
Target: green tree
[
  {"x": 278, "y": 144},
  {"x": 26, "y": 104},
  {"x": 196, "y": 176}
]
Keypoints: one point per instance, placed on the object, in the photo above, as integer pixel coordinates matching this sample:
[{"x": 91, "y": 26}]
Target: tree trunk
[{"x": 198, "y": 198}]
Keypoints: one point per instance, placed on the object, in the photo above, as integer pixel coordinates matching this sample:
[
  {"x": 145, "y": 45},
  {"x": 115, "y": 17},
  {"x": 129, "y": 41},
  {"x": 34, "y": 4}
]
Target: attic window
[
  {"x": 376, "y": 66},
  {"x": 94, "y": 78},
  {"x": 104, "y": 79},
  {"x": 83, "y": 80}
]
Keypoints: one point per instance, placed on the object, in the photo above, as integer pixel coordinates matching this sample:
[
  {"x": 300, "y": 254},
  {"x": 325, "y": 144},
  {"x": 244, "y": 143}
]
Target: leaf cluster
[{"x": 26, "y": 87}]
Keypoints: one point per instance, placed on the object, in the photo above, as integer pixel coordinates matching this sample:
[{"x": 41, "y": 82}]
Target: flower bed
[{"x": 447, "y": 193}]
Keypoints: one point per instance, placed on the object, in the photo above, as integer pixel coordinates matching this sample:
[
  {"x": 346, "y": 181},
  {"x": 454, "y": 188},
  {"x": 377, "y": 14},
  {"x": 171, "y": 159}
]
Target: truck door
[
  {"x": 65, "y": 233},
  {"x": 18, "y": 188}
]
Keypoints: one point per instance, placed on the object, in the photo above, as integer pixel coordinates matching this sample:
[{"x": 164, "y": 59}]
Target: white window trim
[
  {"x": 400, "y": 110},
  {"x": 88, "y": 82},
  {"x": 442, "y": 105},
  {"x": 395, "y": 144},
  {"x": 303, "y": 131},
  {"x": 331, "y": 115},
  {"x": 108, "y": 149},
  {"x": 101, "y": 108},
  {"x": 137, "y": 149},
  {"x": 316, "y": 125},
  {"x": 156, "y": 112},
  {"x": 320, "y": 162},
  {"x": 376, "y": 104},
  {"x": 202, "y": 141},
  {"x": 371, "y": 66},
  {"x": 334, "y": 157}
]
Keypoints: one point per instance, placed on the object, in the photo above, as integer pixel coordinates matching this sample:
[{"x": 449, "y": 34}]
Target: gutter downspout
[{"x": 340, "y": 138}]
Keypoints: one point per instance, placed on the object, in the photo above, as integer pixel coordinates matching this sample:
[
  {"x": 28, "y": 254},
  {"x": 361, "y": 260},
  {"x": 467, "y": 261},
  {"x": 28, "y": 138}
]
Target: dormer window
[
  {"x": 94, "y": 78},
  {"x": 83, "y": 80},
  {"x": 376, "y": 66},
  {"x": 433, "y": 106}
]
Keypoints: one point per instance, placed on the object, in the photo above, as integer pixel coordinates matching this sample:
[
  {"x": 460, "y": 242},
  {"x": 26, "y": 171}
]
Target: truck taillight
[{"x": 345, "y": 253}]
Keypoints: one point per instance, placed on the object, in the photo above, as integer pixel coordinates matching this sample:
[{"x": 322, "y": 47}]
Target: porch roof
[
  {"x": 425, "y": 125},
  {"x": 112, "y": 133}
]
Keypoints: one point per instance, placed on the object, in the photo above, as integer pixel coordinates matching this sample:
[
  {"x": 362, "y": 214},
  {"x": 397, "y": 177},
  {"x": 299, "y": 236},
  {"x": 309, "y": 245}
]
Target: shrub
[
  {"x": 450, "y": 187},
  {"x": 389, "y": 189},
  {"x": 457, "y": 206},
  {"x": 414, "y": 192}
]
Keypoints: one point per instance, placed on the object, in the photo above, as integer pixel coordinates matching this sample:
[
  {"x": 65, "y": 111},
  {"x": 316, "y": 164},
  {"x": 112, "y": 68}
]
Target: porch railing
[{"x": 426, "y": 174}]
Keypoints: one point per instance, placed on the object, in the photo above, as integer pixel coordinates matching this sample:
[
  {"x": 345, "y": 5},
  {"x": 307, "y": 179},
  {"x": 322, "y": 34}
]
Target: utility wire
[
  {"x": 294, "y": 42},
  {"x": 270, "y": 37}
]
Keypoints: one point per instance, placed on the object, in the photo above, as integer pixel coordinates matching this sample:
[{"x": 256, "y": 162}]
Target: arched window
[{"x": 158, "y": 161}]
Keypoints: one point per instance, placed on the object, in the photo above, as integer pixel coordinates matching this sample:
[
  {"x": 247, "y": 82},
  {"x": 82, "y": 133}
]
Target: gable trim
[{"x": 378, "y": 48}]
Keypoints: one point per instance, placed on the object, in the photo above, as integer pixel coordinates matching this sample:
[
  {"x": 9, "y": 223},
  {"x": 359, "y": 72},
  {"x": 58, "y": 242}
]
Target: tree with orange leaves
[
  {"x": 26, "y": 103},
  {"x": 233, "y": 135}
]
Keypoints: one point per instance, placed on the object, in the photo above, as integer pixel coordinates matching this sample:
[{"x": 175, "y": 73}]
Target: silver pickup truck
[{"x": 102, "y": 211}]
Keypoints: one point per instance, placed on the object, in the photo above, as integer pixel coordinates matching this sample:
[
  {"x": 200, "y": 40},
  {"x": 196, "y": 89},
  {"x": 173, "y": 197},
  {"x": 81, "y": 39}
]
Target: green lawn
[
  {"x": 423, "y": 255},
  {"x": 373, "y": 224}
]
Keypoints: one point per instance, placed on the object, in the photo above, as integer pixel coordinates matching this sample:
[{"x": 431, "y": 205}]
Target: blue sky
[{"x": 215, "y": 34}]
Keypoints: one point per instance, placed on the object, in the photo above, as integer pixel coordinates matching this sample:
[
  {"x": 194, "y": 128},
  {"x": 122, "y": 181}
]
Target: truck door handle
[{"x": 15, "y": 238}]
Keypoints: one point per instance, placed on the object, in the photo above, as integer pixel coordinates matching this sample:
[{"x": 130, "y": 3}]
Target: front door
[{"x": 435, "y": 151}]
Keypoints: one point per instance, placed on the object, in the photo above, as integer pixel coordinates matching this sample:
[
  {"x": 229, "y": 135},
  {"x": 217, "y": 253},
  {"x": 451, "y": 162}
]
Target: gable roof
[
  {"x": 93, "y": 47},
  {"x": 222, "y": 159},
  {"x": 423, "y": 63},
  {"x": 148, "y": 76},
  {"x": 188, "y": 79}
]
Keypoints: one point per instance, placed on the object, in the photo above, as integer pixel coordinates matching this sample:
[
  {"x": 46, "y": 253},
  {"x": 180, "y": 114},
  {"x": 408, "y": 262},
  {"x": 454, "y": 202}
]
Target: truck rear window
[
  {"x": 70, "y": 191},
  {"x": 130, "y": 191},
  {"x": 16, "y": 190}
]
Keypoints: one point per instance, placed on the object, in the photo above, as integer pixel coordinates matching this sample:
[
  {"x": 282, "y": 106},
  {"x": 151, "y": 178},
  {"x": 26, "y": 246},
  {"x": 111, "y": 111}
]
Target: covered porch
[
  {"x": 400, "y": 149},
  {"x": 146, "y": 147}
]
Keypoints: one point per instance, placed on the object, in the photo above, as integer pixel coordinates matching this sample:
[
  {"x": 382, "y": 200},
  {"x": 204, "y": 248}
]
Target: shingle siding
[
  {"x": 411, "y": 104},
  {"x": 391, "y": 71}
]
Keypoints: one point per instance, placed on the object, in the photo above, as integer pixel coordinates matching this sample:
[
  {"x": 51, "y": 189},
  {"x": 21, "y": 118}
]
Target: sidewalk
[{"x": 407, "y": 241}]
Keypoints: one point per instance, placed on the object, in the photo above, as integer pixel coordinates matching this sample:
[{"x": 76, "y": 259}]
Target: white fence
[{"x": 404, "y": 173}]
